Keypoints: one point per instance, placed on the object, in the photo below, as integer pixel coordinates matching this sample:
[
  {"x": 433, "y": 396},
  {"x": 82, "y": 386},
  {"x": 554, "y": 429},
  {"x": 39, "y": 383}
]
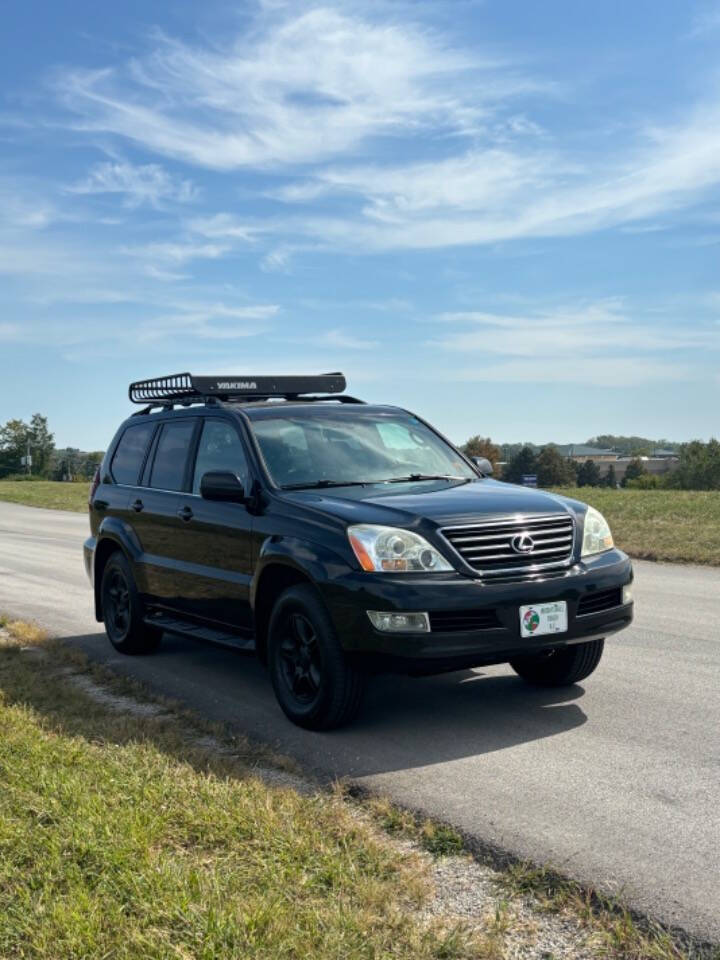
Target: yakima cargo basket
[{"x": 185, "y": 386}]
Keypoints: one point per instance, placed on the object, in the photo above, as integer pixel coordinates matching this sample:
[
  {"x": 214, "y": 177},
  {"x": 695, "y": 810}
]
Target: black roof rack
[{"x": 179, "y": 387}]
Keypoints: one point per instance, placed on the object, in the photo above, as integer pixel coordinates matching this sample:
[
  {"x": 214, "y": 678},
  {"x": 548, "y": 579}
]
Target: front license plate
[{"x": 538, "y": 619}]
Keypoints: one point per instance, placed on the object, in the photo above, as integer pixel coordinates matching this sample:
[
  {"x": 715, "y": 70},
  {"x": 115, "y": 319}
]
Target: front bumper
[{"x": 350, "y": 597}]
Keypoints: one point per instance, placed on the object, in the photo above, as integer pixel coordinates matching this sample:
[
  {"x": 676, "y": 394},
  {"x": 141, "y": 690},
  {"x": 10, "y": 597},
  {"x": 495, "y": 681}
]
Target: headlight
[
  {"x": 596, "y": 535},
  {"x": 392, "y": 550}
]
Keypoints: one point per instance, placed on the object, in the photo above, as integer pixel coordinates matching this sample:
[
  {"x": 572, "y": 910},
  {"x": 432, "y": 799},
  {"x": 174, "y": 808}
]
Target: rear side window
[
  {"x": 130, "y": 453},
  {"x": 171, "y": 455},
  {"x": 220, "y": 448}
]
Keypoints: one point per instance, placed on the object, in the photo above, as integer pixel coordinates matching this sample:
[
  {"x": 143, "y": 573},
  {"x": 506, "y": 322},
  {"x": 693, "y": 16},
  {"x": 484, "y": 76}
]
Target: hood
[{"x": 442, "y": 503}]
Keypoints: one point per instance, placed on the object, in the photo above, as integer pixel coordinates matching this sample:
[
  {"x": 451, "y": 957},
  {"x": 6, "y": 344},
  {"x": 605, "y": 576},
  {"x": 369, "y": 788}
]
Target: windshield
[{"x": 332, "y": 450}]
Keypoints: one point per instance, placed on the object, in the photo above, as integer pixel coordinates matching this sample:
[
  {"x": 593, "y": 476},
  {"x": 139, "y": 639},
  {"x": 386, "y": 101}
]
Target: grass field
[
  {"x": 675, "y": 525},
  {"x": 124, "y": 834},
  {"x": 46, "y": 493}
]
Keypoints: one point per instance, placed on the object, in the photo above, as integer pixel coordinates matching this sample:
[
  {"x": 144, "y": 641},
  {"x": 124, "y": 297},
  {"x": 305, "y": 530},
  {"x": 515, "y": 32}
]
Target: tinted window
[
  {"x": 130, "y": 453},
  {"x": 220, "y": 449},
  {"x": 351, "y": 446},
  {"x": 171, "y": 456}
]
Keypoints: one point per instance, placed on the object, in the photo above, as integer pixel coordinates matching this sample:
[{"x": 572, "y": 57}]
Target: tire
[
  {"x": 559, "y": 668},
  {"x": 123, "y": 611},
  {"x": 315, "y": 684}
]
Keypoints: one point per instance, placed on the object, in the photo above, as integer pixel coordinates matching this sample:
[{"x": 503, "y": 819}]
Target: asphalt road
[{"x": 615, "y": 781}]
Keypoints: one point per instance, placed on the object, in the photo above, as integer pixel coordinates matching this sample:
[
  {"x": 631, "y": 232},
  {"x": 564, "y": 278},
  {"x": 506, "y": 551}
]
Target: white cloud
[
  {"x": 178, "y": 253},
  {"x": 167, "y": 276},
  {"x": 23, "y": 206},
  {"x": 486, "y": 196},
  {"x": 590, "y": 342},
  {"x": 277, "y": 260},
  {"x": 145, "y": 184},
  {"x": 209, "y": 321},
  {"x": 10, "y": 331},
  {"x": 224, "y": 226},
  {"x": 293, "y": 90},
  {"x": 604, "y": 327},
  {"x": 339, "y": 338},
  {"x": 303, "y": 90},
  {"x": 587, "y": 371}
]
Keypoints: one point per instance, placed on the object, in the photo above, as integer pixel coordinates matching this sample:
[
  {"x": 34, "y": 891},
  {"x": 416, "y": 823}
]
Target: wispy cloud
[
  {"x": 622, "y": 372},
  {"x": 297, "y": 89},
  {"x": 705, "y": 20},
  {"x": 495, "y": 195},
  {"x": 10, "y": 331},
  {"x": 225, "y": 226},
  {"x": 303, "y": 92},
  {"x": 588, "y": 342},
  {"x": 178, "y": 253},
  {"x": 340, "y": 338},
  {"x": 144, "y": 184},
  {"x": 209, "y": 322}
]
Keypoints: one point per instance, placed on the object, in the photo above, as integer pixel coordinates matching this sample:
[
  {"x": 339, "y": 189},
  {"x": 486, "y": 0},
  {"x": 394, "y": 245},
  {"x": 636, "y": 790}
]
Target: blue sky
[{"x": 504, "y": 215}]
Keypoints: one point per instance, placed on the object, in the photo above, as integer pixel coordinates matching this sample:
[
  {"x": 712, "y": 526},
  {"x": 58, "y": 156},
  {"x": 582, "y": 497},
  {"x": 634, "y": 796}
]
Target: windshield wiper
[
  {"x": 318, "y": 484},
  {"x": 414, "y": 477}
]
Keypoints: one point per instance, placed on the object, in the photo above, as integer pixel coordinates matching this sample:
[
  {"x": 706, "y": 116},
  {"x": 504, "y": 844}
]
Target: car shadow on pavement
[{"x": 404, "y": 723}]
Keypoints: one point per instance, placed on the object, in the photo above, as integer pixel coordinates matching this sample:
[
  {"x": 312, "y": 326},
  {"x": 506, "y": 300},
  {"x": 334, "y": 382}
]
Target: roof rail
[{"x": 184, "y": 386}]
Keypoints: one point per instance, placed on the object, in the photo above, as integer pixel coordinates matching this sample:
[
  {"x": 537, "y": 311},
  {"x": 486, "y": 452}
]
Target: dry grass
[{"x": 607, "y": 927}]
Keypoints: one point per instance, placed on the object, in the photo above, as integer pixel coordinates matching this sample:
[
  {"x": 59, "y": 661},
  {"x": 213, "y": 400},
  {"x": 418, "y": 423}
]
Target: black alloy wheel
[
  {"x": 314, "y": 681},
  {"x": 122, "y": 609},
  {"x": 117, "y": 604},
  {"x": 300, "y": 656}
]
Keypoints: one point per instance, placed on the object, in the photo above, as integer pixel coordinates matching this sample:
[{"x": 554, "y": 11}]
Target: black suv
[{"x": 337, "y": 538}]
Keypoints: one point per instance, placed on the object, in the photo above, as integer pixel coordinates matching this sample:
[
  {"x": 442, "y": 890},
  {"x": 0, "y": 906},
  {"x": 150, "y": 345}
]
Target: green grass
[
  {"x": 46, "y": 493},
  {"x": 675, "y": 525},
  {"x": 124, "y": 836}
]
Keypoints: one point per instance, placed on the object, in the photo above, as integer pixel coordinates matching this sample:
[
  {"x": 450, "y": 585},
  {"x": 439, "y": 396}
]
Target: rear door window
[
  {"x": 220, "y": 448},
  {"x": 130, "y": 453},
  {"x": 172, "y": 454}
]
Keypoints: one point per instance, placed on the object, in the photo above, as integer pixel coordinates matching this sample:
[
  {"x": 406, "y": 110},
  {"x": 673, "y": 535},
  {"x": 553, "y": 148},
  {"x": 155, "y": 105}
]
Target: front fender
[{"x": 318, "y": 563}]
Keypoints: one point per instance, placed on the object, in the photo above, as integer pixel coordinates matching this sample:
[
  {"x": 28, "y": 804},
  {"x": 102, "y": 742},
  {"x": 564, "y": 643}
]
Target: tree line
[
  {"x": 698, "y": 465},
  {"x": 20, "y": 440}
]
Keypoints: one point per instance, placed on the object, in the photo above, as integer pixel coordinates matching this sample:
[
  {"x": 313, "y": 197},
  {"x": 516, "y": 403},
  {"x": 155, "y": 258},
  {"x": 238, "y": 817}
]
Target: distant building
[
  {"x": 581, "y": 452},
  {"x": 656, "y": 466},
  {"x": 662, "y": 461}
]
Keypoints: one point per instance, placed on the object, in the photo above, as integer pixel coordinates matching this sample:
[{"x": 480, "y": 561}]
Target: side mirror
[
  {"x": 222, "y": 485},
  {"x": 483, "y": 465}
]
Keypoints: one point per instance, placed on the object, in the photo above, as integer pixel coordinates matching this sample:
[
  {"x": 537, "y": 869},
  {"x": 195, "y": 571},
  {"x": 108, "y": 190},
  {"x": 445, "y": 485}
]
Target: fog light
[
  {"x": 390, "y": 622},
  {"x": 627, "y": 593}
]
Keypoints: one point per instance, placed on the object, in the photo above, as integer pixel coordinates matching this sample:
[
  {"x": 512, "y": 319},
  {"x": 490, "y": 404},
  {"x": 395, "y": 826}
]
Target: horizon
[{"x": 505, "y": 220}]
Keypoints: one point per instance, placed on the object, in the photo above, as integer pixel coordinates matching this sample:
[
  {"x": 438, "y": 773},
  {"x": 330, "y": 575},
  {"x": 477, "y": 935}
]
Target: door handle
[
  {"x": 138, "y": 506},
  {"x": 185, "y": 513}
]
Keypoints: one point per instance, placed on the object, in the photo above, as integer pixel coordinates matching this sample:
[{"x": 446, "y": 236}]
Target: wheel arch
[
  {"x": 275, "y": 577},
  {"x": 112, "y": 537}
]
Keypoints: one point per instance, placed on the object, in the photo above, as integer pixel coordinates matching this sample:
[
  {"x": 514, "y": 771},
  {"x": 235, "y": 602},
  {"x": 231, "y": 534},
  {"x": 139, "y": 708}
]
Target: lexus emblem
[{"x": 522, "y": 543}]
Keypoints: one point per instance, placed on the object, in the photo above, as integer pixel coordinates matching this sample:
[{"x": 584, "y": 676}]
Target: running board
[{"x": 197, "y": 631}]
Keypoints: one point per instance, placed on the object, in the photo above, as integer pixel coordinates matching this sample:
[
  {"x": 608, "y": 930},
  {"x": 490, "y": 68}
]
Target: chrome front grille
[{"x": 515, "y": 544}]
